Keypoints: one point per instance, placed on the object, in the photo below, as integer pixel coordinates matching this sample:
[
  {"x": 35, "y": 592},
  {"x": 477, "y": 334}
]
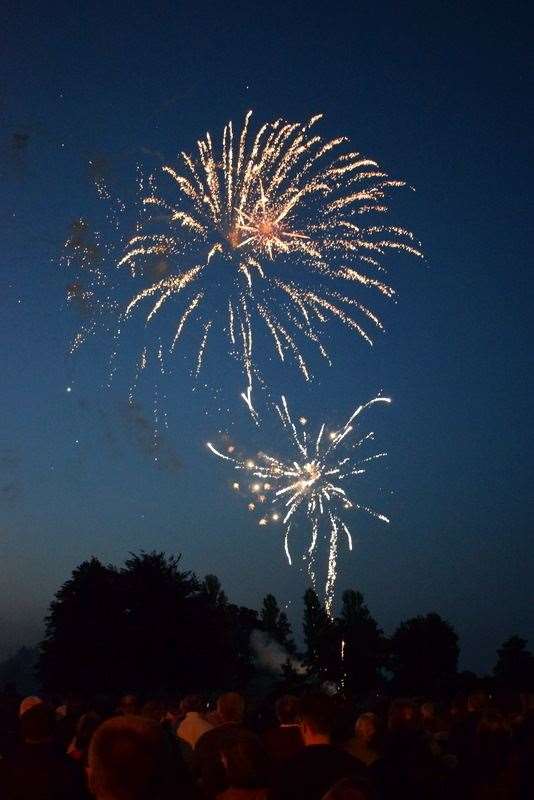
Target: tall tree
[
  {"x": 423, "y": 655},
  {"x": 79, "y": 650},
  {"x": 322, "y": 639},
  {"x": 242, "y": 621},
  {"x": 211, "y": 589},
  {"x": 275, "y": 623},
  {"x": 515, "y": 665},
  {"x": 163, "y": 623},
  {"x": 148, "y": 627},
  {"x": 363, "y": 644}
]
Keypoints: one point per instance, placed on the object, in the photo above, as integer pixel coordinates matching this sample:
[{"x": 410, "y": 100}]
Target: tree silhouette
[
  {"x": 276, "y": 623},
  {"x": 423, "y": 655},
  {"x": 161, "y": 614},
  {"x": 364, "y": 647},
  {"x": 83, "y": 624},
  {"x": 147, "y": 627},
  {"x": 515, "y": 665},
  {"x": 322, "y": 639},
  {"x": 226, "y": 633},
  {"x": 211, "y": 588}
]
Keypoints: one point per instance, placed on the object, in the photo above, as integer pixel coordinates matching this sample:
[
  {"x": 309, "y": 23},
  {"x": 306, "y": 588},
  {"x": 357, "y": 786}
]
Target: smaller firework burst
[{"x": 315, "y": 481}]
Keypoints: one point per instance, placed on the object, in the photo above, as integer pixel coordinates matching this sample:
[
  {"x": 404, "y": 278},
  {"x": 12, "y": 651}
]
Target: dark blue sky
[{"x": 438, "y": 93}]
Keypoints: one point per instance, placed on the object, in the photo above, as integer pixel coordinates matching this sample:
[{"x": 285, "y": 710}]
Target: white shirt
[{"x": 192, "y": 727}]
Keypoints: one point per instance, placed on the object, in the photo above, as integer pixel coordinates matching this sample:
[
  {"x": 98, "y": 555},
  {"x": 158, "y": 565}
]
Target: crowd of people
[{"x": 313, "y": 747}]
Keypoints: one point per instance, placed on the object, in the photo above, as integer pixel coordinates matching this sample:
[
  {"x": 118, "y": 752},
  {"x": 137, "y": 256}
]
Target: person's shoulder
[
  {"x": 220, "y": 734},
  {"x": 201, "y": 723},
  {"x": 351, "y": 760},
  {"x": 305, "y": 756},
  {"x": 271, "y": 733},
  {"x": 330, "y": 754},
  {"x": 206, "y": 739},
  {"x": 235, "y": 733}
]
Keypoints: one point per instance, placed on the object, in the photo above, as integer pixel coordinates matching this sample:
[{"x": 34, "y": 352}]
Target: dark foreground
[{"x": 310, "y": 748}]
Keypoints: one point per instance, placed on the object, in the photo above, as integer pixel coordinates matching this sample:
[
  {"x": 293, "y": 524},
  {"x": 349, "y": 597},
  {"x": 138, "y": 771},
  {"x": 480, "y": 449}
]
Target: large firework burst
[
  {"x": 290, "y": 215},
  {"x": 314, "y": 481}
]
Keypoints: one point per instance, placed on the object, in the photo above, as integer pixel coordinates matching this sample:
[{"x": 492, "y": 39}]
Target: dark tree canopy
[
  {"x": 423, "y": 655},
  {"x": 160, "y": 607},
  {"x": 364, "y": 647},
  {"x": 211, "y": 588},
  {"x": 276, "y": 623},
  {"x": 322, "y": 640},
  {"x": 148, "y": 626},
  {"x": 82, "y": 630}
]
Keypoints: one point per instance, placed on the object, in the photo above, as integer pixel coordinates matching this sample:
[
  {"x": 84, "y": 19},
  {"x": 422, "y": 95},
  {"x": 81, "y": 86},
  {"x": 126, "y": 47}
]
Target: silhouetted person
[
  {"x": 193, "y": 724},
  {"x": 67, "y": 718},
  {"x": 154, "y": 710},
  {"x": 132, "y": 758},
  {"x": 463, "y": 740},
  {"x": 38, "y": 768},
  {"x": 285, "y": 740},
  {"x": 429, "y": 718},
  {"x": 364, "y": 745},
  {"x": 525, "y": 751},
  {"x": 313, "y": 771},
  {"x": 245, "y": 766},
  {"x": 128, "y": 704},
  {"x": 408, "y": 768},
  {"x": 491, "y": 771},
  {"x": 463, "y": 733},
  {"x": 79, "y": 747},
  {"x": 207, "y": 762}
]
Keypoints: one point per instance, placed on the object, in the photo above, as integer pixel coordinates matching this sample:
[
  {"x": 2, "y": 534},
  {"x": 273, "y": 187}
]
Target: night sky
[{"x": 437, "y": 93}]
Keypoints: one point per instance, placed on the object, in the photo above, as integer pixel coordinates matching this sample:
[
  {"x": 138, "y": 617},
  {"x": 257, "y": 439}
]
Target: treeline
[{"x": 150, "y": 626}]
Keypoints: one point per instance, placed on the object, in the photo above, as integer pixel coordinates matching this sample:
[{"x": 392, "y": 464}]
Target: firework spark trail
[
  {"x": 314, "y": 483},
  {"x": 282, "y": 201}
]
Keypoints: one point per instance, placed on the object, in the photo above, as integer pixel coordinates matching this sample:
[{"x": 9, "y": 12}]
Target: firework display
[
  {"x": 258, "y": 243},
  {"x": 315, "y": 480},
  {"x": 285, "y": 213}
]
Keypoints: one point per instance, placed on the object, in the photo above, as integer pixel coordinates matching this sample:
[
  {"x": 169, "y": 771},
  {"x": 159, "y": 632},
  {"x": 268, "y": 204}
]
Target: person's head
[
  {"x": 73, "y": 705},
  {"x": 29, "y": 702},
  {"x": 428, "y": 712},
  {"x": 37, "y": 723},
  {"x": 130, "y": 758},
  {"x": 191, "y": 702},
  {"x": 493, "y": 724},
  {"x": 493, "y": 739},
  {"x": 477, "y": 702},
  {"x": 458, "y": 707},
  {"x": 366, "y": 727},
  {"x": 128, "y": 704},
  {"x": 403, "y": 716},
  {"x": 316, "y": 715},
  {"x": 245, "y": 764},
  {"x": 87, "y": 725},
  {"x": 287, "y": 710},
  {"x": 153, "y": 709},
  {"x": 231, "y": 707},
  {"x": 103, "y": 705}
]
